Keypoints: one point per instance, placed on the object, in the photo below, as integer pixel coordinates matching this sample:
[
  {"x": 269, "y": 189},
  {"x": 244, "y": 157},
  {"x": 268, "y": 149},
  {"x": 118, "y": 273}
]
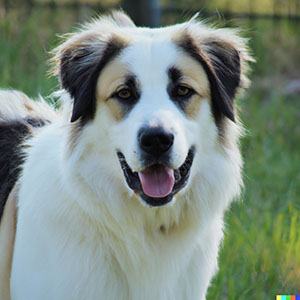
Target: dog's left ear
[
  {"x": 225, "y": 61},
  {"x": 81, "y": 58},
  {"x": 224, "y": 56},
  {"x": 227, "y": 57}
]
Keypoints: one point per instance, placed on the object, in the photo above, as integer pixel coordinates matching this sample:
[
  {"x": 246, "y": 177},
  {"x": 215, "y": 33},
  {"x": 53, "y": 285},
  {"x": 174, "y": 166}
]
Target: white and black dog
[{"x": 121, "y": 193}]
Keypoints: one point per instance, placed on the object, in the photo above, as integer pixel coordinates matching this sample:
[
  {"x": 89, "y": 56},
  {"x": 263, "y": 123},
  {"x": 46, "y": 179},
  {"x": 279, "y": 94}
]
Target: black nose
[{"x": 155, "y": 141}]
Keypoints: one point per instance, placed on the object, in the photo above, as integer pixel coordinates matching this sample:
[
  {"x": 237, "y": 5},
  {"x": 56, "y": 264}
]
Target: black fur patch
[
  {"x": 227, "y": 67},
  {"x": 128, "y": 104},
  {"x": 12, "y": 134},
  {"x": 79, "y": 76},
  {"x": 174, "y": 74},
  {"x": 223, "y": 72}
]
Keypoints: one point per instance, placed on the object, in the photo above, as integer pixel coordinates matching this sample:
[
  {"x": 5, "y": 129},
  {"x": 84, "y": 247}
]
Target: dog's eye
[
  {"x": 182, "y": 91},
  {"x": 124, "y": 93}
]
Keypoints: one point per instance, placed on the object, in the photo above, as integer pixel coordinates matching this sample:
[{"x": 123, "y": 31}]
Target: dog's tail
[{"x": 19, "y": 119}]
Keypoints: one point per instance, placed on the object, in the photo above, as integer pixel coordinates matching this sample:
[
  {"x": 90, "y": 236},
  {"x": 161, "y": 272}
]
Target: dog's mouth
[{"x": 157, "y": 184}]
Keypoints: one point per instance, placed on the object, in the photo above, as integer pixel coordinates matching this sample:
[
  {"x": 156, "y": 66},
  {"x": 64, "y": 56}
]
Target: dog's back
[{"x": 19, "y": 117}]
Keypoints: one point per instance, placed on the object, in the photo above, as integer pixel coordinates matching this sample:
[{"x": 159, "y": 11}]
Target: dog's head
[{"x": 154, "y": 99}]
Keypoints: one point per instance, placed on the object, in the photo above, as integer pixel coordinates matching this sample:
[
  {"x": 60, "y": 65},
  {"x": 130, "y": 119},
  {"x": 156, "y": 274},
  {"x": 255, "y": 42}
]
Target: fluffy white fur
[{"x": 82, "y": 233}]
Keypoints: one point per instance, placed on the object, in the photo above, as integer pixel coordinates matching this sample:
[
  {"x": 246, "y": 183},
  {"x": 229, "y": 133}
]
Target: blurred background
[{"x": 260, "y": 256}]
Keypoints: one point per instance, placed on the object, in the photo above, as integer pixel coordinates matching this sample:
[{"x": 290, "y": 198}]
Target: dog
[{"x": 121, "y": 192}]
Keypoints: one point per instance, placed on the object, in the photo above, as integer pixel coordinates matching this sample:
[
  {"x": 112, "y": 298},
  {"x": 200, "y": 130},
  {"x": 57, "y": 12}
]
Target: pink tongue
[{"x": 157, "y": 181}]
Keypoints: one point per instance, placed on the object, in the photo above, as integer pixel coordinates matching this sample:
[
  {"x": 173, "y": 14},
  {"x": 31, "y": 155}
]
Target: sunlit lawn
[{"x": 261, "y": 254}]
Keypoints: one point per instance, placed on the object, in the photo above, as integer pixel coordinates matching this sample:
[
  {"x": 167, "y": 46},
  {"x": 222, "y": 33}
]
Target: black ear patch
[
  {"x": 79, "y": 72},
  {"x": 223, "y": 70},
  {"x": 226, "y": 63}
]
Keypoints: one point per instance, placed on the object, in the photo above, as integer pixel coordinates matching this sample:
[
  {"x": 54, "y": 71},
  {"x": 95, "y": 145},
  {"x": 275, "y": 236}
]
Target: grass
[
  {"x": 260, "y": 256},
  {"x": 261, "y": 253}
]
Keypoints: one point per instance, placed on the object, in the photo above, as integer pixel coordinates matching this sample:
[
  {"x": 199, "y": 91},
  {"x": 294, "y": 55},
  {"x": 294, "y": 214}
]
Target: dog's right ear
[
  {"x": 81, "y": 58},
  {"x": 79, "y": 69}
]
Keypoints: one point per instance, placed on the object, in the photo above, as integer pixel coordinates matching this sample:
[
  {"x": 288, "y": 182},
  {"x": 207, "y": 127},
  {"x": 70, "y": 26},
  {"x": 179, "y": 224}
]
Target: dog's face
[
  {"x": 154, "y": 103},
  {"x": 161, "y": 97}
]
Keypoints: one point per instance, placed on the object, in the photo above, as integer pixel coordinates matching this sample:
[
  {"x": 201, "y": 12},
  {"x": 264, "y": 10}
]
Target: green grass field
[{"x": 260, "y": 256}]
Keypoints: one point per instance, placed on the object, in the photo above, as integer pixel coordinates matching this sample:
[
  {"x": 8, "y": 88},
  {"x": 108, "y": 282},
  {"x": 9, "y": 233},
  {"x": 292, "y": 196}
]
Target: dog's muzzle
[{"x": 157, "y": 183}]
